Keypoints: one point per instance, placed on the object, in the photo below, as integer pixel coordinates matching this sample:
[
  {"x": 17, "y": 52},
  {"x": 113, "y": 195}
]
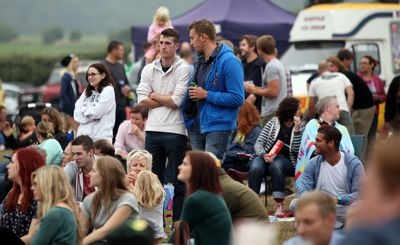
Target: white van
[{"x": 364, "y": 28}]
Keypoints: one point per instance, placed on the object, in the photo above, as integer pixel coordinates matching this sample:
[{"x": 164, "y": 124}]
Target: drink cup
[{"x": 275, "y": 149}]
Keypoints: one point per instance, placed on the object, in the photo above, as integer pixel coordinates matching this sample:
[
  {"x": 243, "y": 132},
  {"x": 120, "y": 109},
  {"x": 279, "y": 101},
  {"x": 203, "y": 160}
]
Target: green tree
[
  {"x": 52, "y": 34},
  {"x": 75, "y": 36},
  {"x": 7, "y": 33}
]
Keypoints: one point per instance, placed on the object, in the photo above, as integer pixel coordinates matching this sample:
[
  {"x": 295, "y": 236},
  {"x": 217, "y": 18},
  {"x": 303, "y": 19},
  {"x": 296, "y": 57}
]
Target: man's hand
[
  {"x": 125, "y": 90},
  {"x": 135, "y": 130},
  {"x": 251, "y": 99},
  {"x": 7, "y": 129},
  {"x": 249, "y": 88},
  {"x": 197, "y": 93}
]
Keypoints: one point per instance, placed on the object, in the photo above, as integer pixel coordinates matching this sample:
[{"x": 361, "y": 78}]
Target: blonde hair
[
  {"x": 28, "y": 121},
  {"x": 114, "y": 183},
  {"x": 53, "y": 183},
  {"x": 45, "y": 129},
  {"x": 162, "y": 14},
  {"x": 138, "y": 155},
  {"x": 148, "y": 189},
  {"x": 323, "y": 201}
]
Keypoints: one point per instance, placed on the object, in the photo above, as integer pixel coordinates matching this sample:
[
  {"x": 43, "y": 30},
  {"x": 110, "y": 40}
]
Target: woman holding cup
[{"x": 276, "y": 151}]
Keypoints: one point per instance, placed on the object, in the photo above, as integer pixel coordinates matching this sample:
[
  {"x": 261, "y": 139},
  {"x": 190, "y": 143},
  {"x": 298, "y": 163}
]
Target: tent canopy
[{"x": 235, "y": 18}]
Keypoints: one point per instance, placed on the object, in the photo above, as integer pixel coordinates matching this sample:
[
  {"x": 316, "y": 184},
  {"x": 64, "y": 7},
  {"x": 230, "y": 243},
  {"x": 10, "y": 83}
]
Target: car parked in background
[
  {"x": 12, "y": 94},
  {"x": 50, "y": 91}
]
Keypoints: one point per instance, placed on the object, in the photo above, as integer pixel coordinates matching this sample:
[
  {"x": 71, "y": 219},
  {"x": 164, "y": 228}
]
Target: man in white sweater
[{"x": 162, "y": 89}]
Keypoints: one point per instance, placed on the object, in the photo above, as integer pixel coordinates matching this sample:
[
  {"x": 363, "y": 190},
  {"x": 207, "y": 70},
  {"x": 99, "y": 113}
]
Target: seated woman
[
  {"x": 19, "y": 208},
  {"x": 51, "y": 115},
  {"x": 242, "y": 145},
  {"x": 108, "y": 207},
  {"x": 57, "y": 210},
  {"x": 44, "y": 134},
  {"x": 204, "y": 209},
  {"x": 284, "y": 127},
  {"x": 137, "y": 161},
  {"x": 26, "y": 135}
]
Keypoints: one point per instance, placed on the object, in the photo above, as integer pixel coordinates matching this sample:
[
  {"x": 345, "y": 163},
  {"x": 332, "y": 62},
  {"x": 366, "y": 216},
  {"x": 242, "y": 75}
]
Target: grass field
[
  {"x": 285, "y": 230},
  {"x": 33, "y": 46}
]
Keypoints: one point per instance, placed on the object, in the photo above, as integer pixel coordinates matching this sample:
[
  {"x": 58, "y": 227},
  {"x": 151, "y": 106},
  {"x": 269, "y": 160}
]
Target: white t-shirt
[
  {"x": 333, "y": 179},
  {"x": 331, "y": 84}
]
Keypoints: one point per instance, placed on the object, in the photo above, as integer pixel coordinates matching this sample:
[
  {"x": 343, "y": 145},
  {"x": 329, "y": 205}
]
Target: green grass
[
  {"x": 286, "y": 230},
  {"x": 32, "y": 45}
]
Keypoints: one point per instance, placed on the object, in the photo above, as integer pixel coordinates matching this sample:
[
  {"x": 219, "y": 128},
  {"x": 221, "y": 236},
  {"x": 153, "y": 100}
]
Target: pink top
[
  {"x": 376, "y": 86},
  {"x": 155, "y": 29},
  {"x": 125, "y": 140}
]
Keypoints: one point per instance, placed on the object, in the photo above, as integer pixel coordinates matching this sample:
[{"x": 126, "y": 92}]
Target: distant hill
[{"x": 87, "y": 16}]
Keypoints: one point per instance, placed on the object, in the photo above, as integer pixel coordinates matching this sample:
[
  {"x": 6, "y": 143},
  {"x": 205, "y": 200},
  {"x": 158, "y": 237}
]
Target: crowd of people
[{"x": 197, "y": 124}]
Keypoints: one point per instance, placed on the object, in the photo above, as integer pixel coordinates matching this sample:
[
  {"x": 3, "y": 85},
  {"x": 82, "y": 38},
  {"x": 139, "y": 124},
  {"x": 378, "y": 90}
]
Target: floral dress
[{"x": 16, "y": 220}]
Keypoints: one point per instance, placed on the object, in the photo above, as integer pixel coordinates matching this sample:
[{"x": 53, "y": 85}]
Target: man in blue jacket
[
  {"x": 334, "y": 172},
  {"x": 216, "y": 91}
]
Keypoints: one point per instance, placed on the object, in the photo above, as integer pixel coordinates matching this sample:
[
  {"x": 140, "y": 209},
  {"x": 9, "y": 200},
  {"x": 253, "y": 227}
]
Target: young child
[
  {"x": 161, "y": 21},
  {"x": 150, "y": 196}
]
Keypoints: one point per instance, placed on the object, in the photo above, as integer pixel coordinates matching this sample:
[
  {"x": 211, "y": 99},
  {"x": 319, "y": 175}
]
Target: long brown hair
[
  {"x": 248, "y": 118},
  {"x": 113, "y": 185},
  {"x": 107, "y": 80},
  {"x": 204, "y": 173},
  {"x": 287, "y": 109},
  {"x": 55, "y": 118},
  {"x": 29, "y": 160}
]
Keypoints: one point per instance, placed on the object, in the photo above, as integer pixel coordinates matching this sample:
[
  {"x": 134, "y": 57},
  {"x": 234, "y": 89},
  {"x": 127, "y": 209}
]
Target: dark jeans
[
  {"x": 163, "y": 146},
  {"x": 120, "y": 116},
  {"x": 215, "y": 142},
  {"x": 278, "y": 170}
]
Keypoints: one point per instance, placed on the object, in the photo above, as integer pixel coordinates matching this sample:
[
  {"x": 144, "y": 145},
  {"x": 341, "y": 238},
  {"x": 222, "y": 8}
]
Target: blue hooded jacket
[{"x": 225, "y": 88}]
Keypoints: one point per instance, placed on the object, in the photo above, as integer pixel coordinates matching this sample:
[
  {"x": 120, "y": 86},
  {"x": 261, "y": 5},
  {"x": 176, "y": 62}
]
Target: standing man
[
  {"x": 274, "y": 88},
  {"x": 162, "y": 89},
  {"x": 253, "y": 67},
  {"x": 78, "y": 170},
  {"x": 217, "y": 89},
  {"x": 363, "y": 106},
  {"x": 115, "y": 54},
  {"x": 333, "y": 84}
]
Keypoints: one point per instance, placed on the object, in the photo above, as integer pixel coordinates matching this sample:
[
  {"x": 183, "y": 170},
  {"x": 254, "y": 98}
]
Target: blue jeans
[
  {"x": 278, "y": 170},
  {"x": 215, "y": 142},
  {"x": 163, "y": 146}
]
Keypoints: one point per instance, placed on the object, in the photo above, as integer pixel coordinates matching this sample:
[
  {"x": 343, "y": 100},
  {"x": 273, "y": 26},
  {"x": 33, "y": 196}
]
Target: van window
[
  {"x": 305, "y": 56},
  {"x": 395, "y": 42},
  {"x": 360, "y": 50}
]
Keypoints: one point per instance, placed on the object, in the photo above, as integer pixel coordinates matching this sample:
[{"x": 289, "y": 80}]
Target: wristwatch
[{"x": 339, "y": 199}]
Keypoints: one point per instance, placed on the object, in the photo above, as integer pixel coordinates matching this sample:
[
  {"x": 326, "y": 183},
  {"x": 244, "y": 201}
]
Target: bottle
[{"x": 193, "y": 84}]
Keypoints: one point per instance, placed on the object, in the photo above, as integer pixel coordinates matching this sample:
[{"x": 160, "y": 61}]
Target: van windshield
[{"x": 305, "y": 56}]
